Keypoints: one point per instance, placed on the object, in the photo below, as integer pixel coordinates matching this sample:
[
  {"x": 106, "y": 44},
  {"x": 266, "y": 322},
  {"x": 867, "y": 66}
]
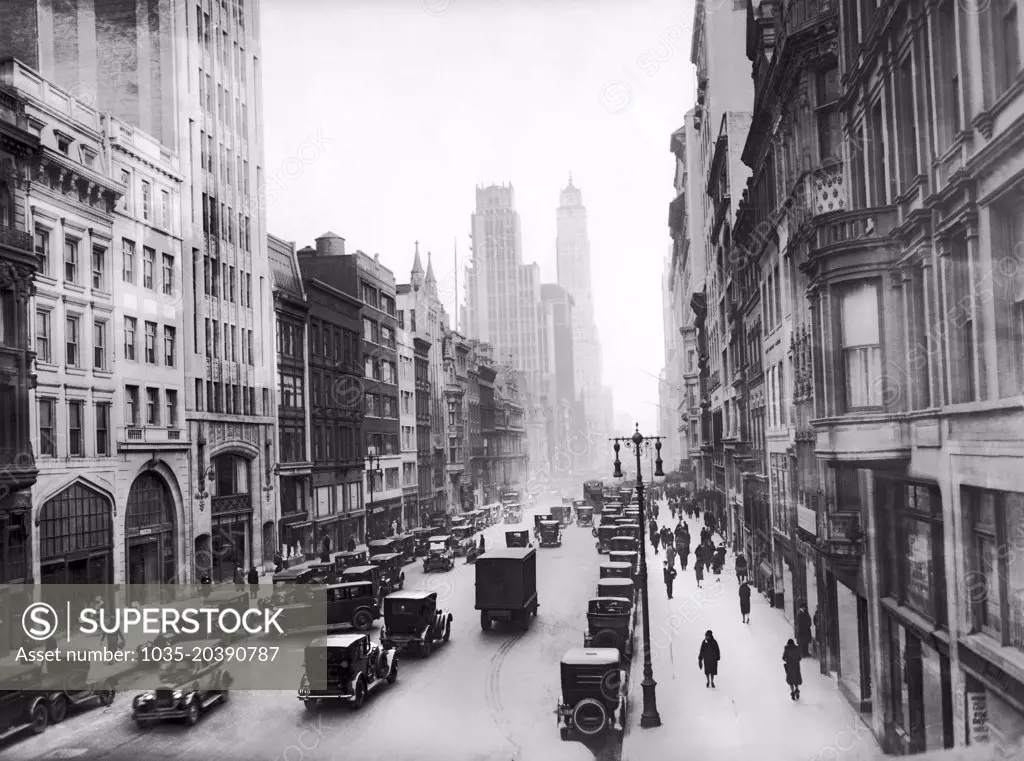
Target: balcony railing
[
  {"x": 860, "y": 225},
  {"x": 151, "y": 435},
  {"x": 15, "y": 239},
  {"x": 233, "y": 503}
]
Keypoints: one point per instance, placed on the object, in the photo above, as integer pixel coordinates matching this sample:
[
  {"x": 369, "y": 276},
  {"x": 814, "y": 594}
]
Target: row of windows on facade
[
  {"x": 377, "y": 299},
  {"x": 75, "y": 444},
  {"x": 220, "y": 281},
  {"x": 74, "y": 342},
  {"x": 162, "y": 216},
  {"x": 238, "y": 342},
  {"x": 229, "y": 398},
  {"x": 223, "y": 223},
  {"x": 98, "y": 272},
  {"x": 375, "y": 333},
  {"x": 327, "y": 342},
  {"x": 211, "y": 23}
]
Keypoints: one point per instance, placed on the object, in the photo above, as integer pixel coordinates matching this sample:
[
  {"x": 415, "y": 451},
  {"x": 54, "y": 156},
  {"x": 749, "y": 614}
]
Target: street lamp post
[
  {"x": 640, "y": 443},
  {"x": 374, "y": 460}
]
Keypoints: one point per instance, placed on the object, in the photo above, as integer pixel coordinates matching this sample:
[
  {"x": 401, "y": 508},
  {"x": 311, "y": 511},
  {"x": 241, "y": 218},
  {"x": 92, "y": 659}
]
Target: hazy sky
[{"x": 382, "y": 116}]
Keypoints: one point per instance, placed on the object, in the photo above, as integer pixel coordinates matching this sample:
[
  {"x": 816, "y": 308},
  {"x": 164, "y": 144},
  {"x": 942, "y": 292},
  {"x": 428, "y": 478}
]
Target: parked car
[
  {"x": 392, "y": 577},
  {"x": 413, "y": 623},
  {"x": 624, "y": 556},
  {"x": 440, "y": 556},
  {"x": 621, "y": 588},
  {"x": 24, "y": 709},
  {"x": 605, "y": 532},
  {"x": 345, "y": 667},
  {"x": 387, "y": 546},
  {"x": 517, "y": 538},
  {"x": 623, "y": 544},
  {"x": 347, "y": 559},
  {"x": 506, "y": 586},
  {"x": 421, "y": 538},
  {"x": 585, "y": 516},
  {"x": 405, "y": 544},
  {"x": 370, "y": 573},
  {"x": 594, "y": 689},
  {"x": 310, "y": 572},
  {"x": 550, "y": 534},
  {"x": 77, "y": 691},
  {"x": 610, "y": 623},
  {"x": 616, "y": 571},
  {"x": 187, "y": 689}
]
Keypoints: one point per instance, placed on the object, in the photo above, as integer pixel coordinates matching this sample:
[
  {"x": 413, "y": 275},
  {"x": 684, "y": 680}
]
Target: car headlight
[
  {"x": 178, "y": 694},
  {"x": 344, "y": 664}
]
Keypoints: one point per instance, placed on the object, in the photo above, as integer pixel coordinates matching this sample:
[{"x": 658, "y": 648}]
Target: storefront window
[
  {"x": 996, "y": 530},
  {"x": 919, "y": 565}
]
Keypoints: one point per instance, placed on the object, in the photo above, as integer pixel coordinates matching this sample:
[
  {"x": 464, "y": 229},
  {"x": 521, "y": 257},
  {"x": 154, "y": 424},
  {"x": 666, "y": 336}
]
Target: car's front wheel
[
  {"x": 393, "y": 671},
  {"x": 58, "y": 709},
  {"x": 193, "y": 713},
  {"x": 106, "y": 696},
  {"x": 485, "y": 621},
  {"x": 310, "y": 705},
  {"x": 40, "y": 717}
]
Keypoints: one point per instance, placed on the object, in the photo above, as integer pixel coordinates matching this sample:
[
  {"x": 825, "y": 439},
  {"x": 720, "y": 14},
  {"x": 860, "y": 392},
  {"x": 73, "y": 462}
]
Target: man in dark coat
[
  {"x": 745, "y": 601},
  {"x": 709, "y": 657},
  {"x": 741, "y": 567},
  {"x": 666, "y": 536},
  {"x": 791, "y": 661},
  {"x": 351, "y": 544},
  {"x": 653, "y": 526},
  {"x": 239, "y": 578},
  {"x": 253, "y": 578},
  {"x": 803, "y": 631},
  {"x": 698, "y": 567},
  {"x": 670, "y": 577}
]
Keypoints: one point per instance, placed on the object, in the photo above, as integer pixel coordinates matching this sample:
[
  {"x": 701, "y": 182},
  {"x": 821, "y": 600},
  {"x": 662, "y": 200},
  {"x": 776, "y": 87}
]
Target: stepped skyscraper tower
[{"x": 572, "y": 249}]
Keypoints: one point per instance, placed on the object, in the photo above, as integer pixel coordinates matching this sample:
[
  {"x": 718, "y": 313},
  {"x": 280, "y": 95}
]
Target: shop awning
[{"x": 294, "y": 519}]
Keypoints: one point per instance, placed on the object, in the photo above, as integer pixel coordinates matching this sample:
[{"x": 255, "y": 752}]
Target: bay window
[{"x": 861, "y": 346}]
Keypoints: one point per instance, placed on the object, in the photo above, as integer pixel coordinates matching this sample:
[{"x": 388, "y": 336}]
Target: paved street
[
  {"x": 483, "y": 696},
  {"x": 749, "y": 714}
]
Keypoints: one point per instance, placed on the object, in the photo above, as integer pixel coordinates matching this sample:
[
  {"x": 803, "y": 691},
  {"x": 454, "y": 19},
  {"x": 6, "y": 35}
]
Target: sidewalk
[{"x": 749, "y": 714}]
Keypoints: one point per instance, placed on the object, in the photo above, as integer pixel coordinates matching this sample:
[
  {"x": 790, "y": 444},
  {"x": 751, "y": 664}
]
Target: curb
[{"x": 635, "y": 664}]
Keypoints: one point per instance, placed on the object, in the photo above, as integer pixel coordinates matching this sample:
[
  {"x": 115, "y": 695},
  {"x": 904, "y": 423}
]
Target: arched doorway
[
  {"x": 231, "y": 519},
  {"x": 151, "y": 551},
  {"x": 76, "y": 538}
]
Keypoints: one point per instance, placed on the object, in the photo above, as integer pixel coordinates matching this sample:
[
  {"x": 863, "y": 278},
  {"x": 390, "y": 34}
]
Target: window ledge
[
  {"x": 1008, "y": 659},
  {"x": 970, "y": 408},
  {"x": 49, "y": 367},
  {"x": 985, "y": 120},
  {"x": 105, "y": 374},
  {"x": 76, "y": 371}
]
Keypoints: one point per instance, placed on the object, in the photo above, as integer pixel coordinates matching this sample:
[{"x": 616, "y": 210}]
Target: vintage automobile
[
  {"x": 512, "y": 513},
  {"x": 506, "y": 586},
  {"x": 440, "y": 556},
  {"x": 585, "y": 516},
  {"x": 616, "y": 571},
  {"x": 388, "y": 546},
  {"x": 606, "y": 518},
  {"x": 405, "y": 545},
  {"x": 622, "y": 588},
  {"x": 330, "y": 607},
  {"x": 623, "y": 544},
  {"x": 187, "y": 689},
  {"x": 562, "y": 513},
  {"x": 610, "y": 623},
  {"x": 605, "y": 533},
  {"x": 22, "y": 709},
  {"x": 78, "y": 691},
  {"x": 370, "y": 573},
  {"x": 621, "y": 556},
  {"x": 550, "y": 534},
  {"x": 311, "y": 572},
  {"x": 517, "y": 538},
  {"x": 594, "y": 691},
  {"x": 631, "y": 529},
  {"x": 392, "y": 577},
  {"x": 539, "y": 518},
  {"x": 421, "y": 537},
  {"x": 345, "y": 667},
  {"x": 413, "y": 623},
  {"x": 633, "y": 513},
  {"x": 463, "y": 539},
  {"x": 349, "y": 558},
  {"x": 473, "y": 552}
]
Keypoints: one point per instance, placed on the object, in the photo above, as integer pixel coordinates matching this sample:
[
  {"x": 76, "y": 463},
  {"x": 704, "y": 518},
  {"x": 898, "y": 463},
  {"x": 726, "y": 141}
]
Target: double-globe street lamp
[{"x": 639, "y": 444}]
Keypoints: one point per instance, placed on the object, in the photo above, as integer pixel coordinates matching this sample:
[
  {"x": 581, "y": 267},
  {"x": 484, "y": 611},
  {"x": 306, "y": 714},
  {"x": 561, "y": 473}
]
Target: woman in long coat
[
  {"x": 745, "y": 602},
  {"x": 709, "y": 657},
  {"x": 698, "y": 568},
  {"x": 791, "y": 661}
]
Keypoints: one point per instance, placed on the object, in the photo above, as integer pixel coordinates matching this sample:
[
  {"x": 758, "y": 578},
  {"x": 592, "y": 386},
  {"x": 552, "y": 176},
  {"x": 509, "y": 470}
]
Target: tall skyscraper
[
  {"x": 572, "y": 250},
  {"x": 188, "y": 73},
  {"x": 503, "y": 304}
]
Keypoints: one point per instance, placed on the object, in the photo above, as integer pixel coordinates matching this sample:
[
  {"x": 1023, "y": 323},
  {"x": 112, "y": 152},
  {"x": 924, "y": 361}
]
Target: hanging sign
[{"x": 977, "y": 715}]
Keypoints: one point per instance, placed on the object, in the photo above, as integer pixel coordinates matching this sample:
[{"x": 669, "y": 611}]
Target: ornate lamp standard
[
  {"x": 639, "y": 444},
  {"x": 374, "y": 462}
]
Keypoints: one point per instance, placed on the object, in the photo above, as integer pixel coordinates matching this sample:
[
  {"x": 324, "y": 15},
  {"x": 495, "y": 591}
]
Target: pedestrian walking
[
  {"x": 670, "y": 555},
  {"x": 205, "y": 585},
  {"x": 803, "y": 630},
  {"x": 672, "y": 509},
  {"x": 708, "y": 658},
  {"x": 698, "y": 570},
  {"x": 791, "y": 662},
  {"x": 745, "y": 601},
  {"x": 719, "y": 561},
  {"x": 239, "y": 579},
  {"x": 705, "y": 535},
  {"x": 654, "y": 534},
  {"x": 670, "y": 577},
  {"x": 655, "y": 505},
  {"x": 741, "y": 567},
  {"x": 666, "y": 536},
  {"x": 351, "y": 544},
  {"x": 254, "y": 582}
]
